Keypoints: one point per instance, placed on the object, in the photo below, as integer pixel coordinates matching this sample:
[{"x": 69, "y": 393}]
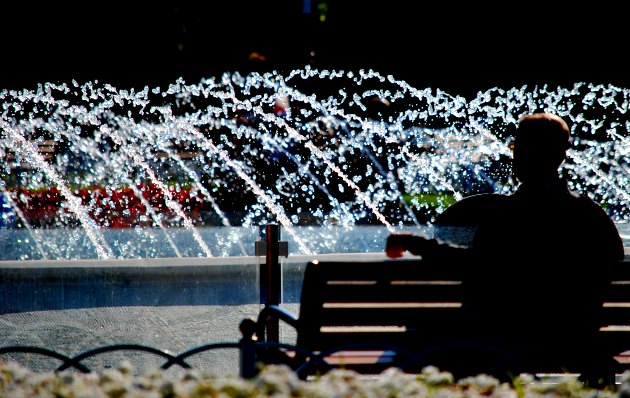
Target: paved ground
[{"x": 174, "y": 329}]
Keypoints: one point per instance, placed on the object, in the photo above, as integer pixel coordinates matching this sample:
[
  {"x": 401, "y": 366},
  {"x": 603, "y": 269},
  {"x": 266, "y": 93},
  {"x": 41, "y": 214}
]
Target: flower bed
[
  {"x": 279, "y": 381},
  {"x": 120, "y": 207}
]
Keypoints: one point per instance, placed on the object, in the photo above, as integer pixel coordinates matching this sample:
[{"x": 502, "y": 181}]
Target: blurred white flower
[{"x": 279, "y": 381}]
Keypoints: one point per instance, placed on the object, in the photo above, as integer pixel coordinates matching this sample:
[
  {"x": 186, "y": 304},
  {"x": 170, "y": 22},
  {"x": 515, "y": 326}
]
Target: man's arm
[{"x": 427, "y": 248}]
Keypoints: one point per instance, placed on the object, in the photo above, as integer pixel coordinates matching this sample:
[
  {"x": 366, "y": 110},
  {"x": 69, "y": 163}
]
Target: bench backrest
[
  {"x": 615, "y": 315},
  {"x": 397, "y": 302}
]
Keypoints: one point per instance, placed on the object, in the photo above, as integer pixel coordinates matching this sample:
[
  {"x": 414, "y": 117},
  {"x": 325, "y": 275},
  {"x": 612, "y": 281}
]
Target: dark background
[{"x": 461, "y": 49}]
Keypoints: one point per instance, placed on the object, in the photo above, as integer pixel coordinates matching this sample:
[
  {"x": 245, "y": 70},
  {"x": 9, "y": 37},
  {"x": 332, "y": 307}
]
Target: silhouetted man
[{"x": 538, "y": 258}]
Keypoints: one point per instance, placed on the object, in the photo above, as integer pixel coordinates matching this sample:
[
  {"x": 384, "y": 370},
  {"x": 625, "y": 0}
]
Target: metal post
[
  {"x": 271, "y": 275},
  {"x": 274, "y": 279}
]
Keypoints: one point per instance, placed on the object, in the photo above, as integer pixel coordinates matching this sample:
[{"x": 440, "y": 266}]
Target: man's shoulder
[
  {"x": 472, "y": 209},
  {"x": 584, "y": 202}
]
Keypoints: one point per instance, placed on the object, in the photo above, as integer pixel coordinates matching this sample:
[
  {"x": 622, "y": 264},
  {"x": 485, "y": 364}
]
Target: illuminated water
[{"x": 96, "y": 171}]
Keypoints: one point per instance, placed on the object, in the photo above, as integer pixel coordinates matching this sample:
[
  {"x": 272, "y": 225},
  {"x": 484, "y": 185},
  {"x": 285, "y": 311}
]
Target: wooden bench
[{"x": 368, "y": 316}]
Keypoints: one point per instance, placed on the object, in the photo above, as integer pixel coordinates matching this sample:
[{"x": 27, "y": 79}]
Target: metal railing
[{"x": 252, "y": 354}]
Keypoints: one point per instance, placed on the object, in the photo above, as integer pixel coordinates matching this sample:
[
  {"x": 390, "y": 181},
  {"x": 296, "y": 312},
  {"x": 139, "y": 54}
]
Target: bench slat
[
  {"x": 428, "y": 317},
  {"x": 390, "y": 293}
]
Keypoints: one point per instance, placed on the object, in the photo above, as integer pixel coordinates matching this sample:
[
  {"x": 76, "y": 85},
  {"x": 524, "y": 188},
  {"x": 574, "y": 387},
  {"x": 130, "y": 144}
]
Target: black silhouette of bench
[{"x": 368, "y": 316}]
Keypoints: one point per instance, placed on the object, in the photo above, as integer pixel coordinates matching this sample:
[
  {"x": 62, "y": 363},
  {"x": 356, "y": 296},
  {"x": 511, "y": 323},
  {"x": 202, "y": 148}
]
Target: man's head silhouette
[{"x": 540, "y": 146}]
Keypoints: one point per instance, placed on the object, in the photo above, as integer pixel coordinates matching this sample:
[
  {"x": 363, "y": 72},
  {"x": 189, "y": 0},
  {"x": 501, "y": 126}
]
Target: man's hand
[{"x": 397, "y": 244}]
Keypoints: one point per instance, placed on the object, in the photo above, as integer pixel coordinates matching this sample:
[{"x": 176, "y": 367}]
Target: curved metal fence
[{"x": 252, "y": 353}]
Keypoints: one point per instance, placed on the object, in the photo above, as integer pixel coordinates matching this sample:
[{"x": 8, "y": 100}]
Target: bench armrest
[{"x": 274, "y": 312}]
